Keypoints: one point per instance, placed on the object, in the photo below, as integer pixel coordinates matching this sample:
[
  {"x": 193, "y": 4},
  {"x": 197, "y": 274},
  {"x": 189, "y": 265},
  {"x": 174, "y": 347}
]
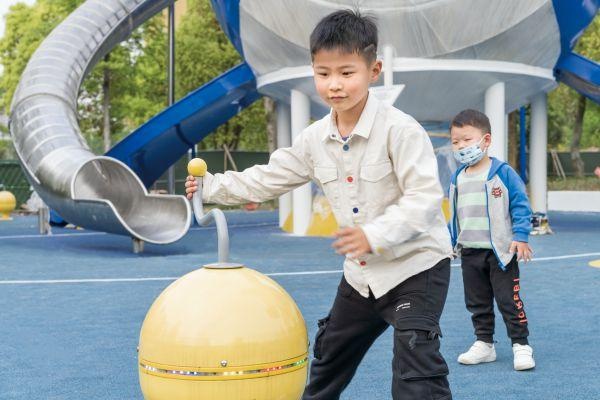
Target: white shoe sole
[
  {"x": 487, "y": 359},
  {"x": 525, "y": 367}
]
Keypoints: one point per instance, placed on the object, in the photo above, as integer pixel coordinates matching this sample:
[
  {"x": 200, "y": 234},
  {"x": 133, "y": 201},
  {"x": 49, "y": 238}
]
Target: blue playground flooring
[{"x": 72, "y": 304}]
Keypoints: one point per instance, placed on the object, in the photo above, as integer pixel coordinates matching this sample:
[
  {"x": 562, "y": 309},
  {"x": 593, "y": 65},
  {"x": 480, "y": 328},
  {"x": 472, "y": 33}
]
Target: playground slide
[
  {"x": 100, "y": 192},
  {"x": 572, "y": 69},
  {"x": 103, "y": 192},
  {"x": 165, "y": 138}
]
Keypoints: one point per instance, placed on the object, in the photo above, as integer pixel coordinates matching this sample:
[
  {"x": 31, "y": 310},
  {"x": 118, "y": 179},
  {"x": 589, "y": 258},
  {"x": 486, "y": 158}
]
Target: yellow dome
[
  {"x": 223, "y": 334},
  {"x": 8, "y": 203}
]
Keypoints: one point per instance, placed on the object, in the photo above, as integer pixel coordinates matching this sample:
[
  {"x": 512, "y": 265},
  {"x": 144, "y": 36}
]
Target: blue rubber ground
[{"x": 78, "y": 340}]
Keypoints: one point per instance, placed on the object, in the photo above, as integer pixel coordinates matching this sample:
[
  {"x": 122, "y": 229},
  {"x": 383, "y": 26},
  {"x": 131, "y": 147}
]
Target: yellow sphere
[
  {"x": 223, "y": 334},
  {"x": 8, "y": 203},
  {"x": 197, "y": 167}
]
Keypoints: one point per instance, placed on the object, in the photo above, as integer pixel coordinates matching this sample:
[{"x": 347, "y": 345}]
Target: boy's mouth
[{"x": 337, "y": 98}]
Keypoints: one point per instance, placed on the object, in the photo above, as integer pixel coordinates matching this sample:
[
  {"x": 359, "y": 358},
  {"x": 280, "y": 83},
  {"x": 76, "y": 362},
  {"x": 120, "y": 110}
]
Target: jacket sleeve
[
  {"x": 419, "y": 206},
  {"x": 520, "y": 210},
  {"x": 288, "y": 168}
]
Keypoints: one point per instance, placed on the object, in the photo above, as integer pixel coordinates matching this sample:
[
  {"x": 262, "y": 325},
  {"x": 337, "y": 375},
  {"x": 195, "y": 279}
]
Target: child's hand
[
  {"x": 190, "y": 186},
  {"x": 522, "y": 249},
  {"x": 351, "y": 242}
]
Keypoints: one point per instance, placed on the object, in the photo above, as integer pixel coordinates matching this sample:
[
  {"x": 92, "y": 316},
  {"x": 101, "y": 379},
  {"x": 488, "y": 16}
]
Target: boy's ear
[
  {"x": 376, "y": 68},
  {"x": 487, "y": 138}
]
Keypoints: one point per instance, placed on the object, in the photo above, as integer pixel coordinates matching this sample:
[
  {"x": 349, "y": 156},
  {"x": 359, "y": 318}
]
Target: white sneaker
[
  {"x": 479, "y": 352},
  {"x": 523, "y": 357}
]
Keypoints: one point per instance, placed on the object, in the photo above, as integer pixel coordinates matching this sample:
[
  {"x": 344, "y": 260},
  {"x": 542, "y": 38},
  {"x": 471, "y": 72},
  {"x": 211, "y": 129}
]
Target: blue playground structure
[
  {"x": 501, "y": 64},
  {"x": 73, "y": 302}
]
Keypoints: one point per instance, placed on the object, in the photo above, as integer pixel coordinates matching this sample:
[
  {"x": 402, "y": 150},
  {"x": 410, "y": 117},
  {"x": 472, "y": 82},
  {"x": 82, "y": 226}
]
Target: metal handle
[{"x": 197, "y": 168}]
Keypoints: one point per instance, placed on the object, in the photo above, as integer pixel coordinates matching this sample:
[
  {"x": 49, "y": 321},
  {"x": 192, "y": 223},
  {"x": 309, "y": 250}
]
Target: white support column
[
  {"x": 538, "y": 143},
  {"x": 495, "y": 110},
  {"x": 506, "y": 136},
  {"x": 284, "y": 139},
  {"x": 388, "y": 66},
  {"x": 301, "y": 197}
]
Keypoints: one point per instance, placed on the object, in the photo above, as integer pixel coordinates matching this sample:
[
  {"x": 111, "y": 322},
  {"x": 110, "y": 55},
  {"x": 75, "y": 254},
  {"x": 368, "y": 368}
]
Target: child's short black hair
[
  {"x": 348, "y": 31},
  {"x": 473, "y": 118}
]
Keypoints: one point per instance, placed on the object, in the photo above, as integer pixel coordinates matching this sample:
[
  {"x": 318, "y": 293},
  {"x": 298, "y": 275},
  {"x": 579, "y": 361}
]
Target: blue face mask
[{"x": 470, "y": 155}]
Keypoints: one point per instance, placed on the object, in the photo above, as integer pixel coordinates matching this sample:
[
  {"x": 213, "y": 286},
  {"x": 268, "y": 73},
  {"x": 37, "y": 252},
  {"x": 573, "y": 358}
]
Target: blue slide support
[
  {"x": 165, "y": 138},
  {"x": 572, "y": 69}
]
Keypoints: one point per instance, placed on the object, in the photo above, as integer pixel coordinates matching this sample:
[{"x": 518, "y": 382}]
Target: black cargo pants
[{"x": 413, "y": 309}]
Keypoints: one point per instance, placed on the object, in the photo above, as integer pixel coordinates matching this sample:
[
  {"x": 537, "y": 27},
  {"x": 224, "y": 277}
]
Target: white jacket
[{"x": 383, "y": 178}]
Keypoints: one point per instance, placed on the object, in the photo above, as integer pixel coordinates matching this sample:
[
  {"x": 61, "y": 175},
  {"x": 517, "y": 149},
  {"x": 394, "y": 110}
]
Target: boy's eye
[
  {"x": 347, "y": 73},
  {"x": 322, "y": 73}
]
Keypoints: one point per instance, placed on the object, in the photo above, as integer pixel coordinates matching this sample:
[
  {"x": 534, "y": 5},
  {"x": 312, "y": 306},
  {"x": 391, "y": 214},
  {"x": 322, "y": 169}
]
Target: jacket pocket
[
  {"x": 378, "y": 186},
  {"x": 376, "y": 172},
  {"x": 326, "y": 174},
  {"x": 327, "y": 178}
]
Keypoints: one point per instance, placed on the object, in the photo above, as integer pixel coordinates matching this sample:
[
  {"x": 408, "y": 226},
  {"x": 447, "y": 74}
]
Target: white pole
[
  {"x": 388, "y": 65},
  {"x": 301, "y": 197},
  {"x": 538, "y": 143},
  {"x": 506, "y": 136},
  {"x": 495, "y": 110},
  {"x": 284, "y": 139}
]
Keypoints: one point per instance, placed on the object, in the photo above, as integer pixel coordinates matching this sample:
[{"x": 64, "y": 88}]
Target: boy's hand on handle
[
  {"x": 351, "y": 242},
  {"x": 522, "y": 249},
  {"x": 190, "y": 186}
]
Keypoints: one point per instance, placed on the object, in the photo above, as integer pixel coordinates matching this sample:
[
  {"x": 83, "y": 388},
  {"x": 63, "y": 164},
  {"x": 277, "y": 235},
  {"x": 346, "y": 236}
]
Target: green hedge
[{"x": 13, "y": 179}]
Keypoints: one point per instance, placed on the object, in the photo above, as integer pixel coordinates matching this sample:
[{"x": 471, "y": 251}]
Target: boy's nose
[{"x": 335, "y": 85}]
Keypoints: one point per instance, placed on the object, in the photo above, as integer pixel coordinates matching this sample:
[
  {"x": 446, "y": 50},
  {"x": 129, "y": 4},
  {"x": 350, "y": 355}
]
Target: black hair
[
  {"x": 348, "y": 31},
  {"x": 473, "y": 118}
]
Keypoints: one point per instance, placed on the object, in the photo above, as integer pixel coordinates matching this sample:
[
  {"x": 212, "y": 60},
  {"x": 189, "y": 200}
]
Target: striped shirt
[{"x": 471, "y": 210}]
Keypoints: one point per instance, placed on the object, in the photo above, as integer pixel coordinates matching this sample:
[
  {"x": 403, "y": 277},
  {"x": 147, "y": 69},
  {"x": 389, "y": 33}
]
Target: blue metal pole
[{"x": 522, "y": 144}]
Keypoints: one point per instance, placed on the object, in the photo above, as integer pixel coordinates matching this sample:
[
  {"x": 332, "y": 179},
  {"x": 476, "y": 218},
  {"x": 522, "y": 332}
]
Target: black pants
[
  {"x": 413, "y": 308},
  {"x": 485, "y": 281}
]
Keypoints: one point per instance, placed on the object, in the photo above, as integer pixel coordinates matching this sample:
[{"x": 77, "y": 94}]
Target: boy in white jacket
[{"x": 377, "y": 167}]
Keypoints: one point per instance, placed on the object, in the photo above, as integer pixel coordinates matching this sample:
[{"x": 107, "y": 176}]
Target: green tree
[
  {"x": 133, "y": 76},
  {"x": 25, "y": 28},
  {"x": 203, "y": 53},
  {"x": 135, "y": 69},
  {"x": 574, "y": 121}
]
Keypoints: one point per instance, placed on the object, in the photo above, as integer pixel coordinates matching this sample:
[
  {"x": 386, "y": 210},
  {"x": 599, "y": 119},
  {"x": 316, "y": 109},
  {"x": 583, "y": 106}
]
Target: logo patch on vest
[{"x": 497, "y": 192}]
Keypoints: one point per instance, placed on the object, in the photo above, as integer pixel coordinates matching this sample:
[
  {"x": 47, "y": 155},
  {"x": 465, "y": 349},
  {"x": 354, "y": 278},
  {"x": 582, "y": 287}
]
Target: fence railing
[{"x": 13, "y": 178}]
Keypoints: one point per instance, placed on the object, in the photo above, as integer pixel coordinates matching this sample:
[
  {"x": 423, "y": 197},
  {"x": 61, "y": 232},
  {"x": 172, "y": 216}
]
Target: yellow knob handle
[{"x": 197, "y": 167}]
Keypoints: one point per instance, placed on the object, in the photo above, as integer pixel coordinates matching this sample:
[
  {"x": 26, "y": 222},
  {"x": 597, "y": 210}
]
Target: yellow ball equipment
[
  {"x": 223, "y": 333},
  {"x": 197, "y": 167},
  {"x": 8, "y": 203}
]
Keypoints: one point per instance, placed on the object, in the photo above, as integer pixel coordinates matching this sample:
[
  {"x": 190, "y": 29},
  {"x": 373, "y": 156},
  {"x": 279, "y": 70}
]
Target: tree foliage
[
  {"x": 138, "y": 71},
  {"x": 203, "y": 53},
  {"x": 563, "y": 102}
]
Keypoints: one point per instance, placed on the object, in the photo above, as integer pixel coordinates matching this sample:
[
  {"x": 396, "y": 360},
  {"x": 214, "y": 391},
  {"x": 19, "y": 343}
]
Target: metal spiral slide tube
[{"x": 95, "y": 192}]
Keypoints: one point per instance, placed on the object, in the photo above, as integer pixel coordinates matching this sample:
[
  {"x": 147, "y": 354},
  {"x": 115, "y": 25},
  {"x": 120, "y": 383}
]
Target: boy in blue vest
[{"x": 489, "y": 226}]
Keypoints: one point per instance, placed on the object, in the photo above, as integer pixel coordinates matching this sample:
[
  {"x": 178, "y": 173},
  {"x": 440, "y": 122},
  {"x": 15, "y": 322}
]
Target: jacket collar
[
  {"x": 363, "y": 126},
  {"x": 496, "y": 165}
]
